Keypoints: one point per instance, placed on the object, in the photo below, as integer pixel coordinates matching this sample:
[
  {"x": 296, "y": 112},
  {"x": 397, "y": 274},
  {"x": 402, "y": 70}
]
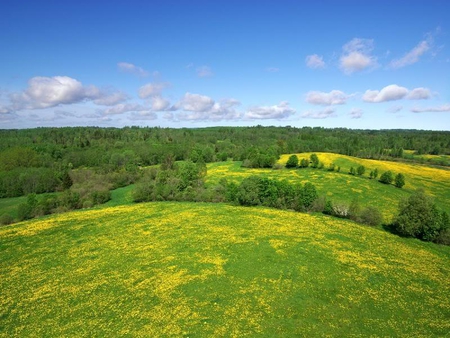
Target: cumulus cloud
[
  {"x": 204, "y": 71},
  {"x": 159, "y": 103},
  {"x": 123, "y": 108},
  {"x": 280, "y": 111},
  {"x": 321, "y": 114},
  {"x": 357, "y": 56},
  {"x": 46, "y": 92},
  {"x": 394, "y": 92},
  {"x": 201, "y": 108},
  {"x": 326, "y": 99},
  {"x": 419, "y": 94},
  {"x": 132, "y": 69},
  {"x": 388, "y": 93},
  {"x": 152, "y": 89},
  {"x": 195, "y": 102},
  {"x": 356, "y": 113},
  {"x": 315, "y": 61},
  {"x": 412, "y": 56},
  {"x": 438, "y": 109}
]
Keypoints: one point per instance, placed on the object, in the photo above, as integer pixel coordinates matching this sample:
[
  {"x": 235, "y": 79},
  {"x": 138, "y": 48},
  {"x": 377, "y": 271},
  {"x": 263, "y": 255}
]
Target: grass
[
  {"x": 186, "y": 269},
  {"x": 342, "y": 187}
]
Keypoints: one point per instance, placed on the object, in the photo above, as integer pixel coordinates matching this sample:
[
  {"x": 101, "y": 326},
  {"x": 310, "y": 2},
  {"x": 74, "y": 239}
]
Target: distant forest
[{"x": 39, "y": 160}]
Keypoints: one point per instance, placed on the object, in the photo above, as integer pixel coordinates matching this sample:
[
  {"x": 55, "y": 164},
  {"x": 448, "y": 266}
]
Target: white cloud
[
  {"x": 412, "y": 56},
  {"x": 132, "y": 69},
  {"x": 326, "y": 99},
  {"x": 322, "y": 114},
  {"x": 394, "y": 109},
  {"x": 222, "y": 110},
  {"x": 123, "y": 108},
  {"x": 439, "y": 109},
  {"x": 394, "y": 92},
  {"x": 108, "y": 98},
  {"x": 204, "y": 71},
  {"x": 195, "y": 103},
  {"x": 419, "y": 94},
  {"x": 357, "y": 56},
  {"x": 315, "y": 61},
  {"x": 159, "y": 103},
  {"x": 280, "y": 111},
  {"x": 45, "y": 92},
  {"x": 152, "y": 89},
  {"x": 356, "y": 113},
  {"x": 388, "y": 93}
]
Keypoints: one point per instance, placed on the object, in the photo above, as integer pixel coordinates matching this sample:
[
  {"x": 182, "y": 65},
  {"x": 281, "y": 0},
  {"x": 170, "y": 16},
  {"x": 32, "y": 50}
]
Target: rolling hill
[{"x": 196, "y": 269}]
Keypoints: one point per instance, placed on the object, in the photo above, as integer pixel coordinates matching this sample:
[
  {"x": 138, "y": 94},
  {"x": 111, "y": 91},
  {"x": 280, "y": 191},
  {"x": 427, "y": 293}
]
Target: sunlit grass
[{"x": 187, "y": 269}]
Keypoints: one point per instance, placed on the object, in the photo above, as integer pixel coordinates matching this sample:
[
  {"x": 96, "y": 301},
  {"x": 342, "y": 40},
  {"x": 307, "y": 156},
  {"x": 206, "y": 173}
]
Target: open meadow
[
  {"x": 342, "y": 187},
  {"x": 187, "y": 269}
]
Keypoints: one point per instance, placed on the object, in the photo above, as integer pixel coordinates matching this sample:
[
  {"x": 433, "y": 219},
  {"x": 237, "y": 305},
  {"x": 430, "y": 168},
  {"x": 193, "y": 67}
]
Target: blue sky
[{"x": 354, "y": 64}]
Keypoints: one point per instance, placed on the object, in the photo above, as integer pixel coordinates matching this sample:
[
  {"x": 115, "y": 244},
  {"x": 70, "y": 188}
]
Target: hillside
[
  {"x": 343, "y": 187},
  {"x": 186, "y": 269}
]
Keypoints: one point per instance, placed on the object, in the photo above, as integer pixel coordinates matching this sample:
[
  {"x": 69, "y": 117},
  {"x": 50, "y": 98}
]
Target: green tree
[
  {"x": 308, "y": 195},
  {"x": 304, "y": 163},
  {"x": 352, "y": 171},
  {"x": 399, "y": 180},
  {"x": 292, "y": 162},
  {"x": 360, "y": 170},
  {"x": 314, "y": 160},
  {"x": 418, "y": 217},
  {"x": 387, "y": 177}
]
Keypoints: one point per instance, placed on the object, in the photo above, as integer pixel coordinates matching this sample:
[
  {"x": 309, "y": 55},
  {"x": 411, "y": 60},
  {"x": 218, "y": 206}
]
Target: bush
[
  {"x": 292, "y": 162},
  {"x": 360, "y": 170},
  {"x": 387, "y": 177},
  {"x": 304, "y": 163},
  {"x": 399, "y": 180},
  {"x": 6, "y": 219},
  {"x": 371, "y": 216}
]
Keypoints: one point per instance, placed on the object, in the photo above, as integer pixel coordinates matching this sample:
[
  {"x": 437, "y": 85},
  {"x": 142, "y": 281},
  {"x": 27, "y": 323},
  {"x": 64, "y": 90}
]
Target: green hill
[{"x": 186, "y": 269}]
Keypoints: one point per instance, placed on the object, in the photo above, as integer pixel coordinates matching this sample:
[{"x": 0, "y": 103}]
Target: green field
[
  {"x": 197, "y": 269},
  {"x": 342, "y": 187}
]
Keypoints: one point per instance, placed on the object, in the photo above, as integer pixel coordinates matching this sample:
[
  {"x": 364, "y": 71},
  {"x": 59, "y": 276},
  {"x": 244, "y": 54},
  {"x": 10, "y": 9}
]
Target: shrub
[
  {"x": 304, "y": 163},
  {"x": 387, "y": 177},
  {"x": 6, "y": 219},
  {"x": 360, "y": 170},
  {"x": 399, "y": 180},
  {"x": 314, "y": 160},
  {"x": 371, "y": 216},
  {"x": 292, "y": 162}
]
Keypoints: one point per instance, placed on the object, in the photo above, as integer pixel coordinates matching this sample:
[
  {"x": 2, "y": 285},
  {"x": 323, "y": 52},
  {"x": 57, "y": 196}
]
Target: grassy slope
[
  {"x": 341, "y": 187},
  {"x": 217, "y": 270}
]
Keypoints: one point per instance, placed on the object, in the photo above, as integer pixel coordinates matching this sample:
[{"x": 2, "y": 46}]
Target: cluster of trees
[
  {"x": 386, "y": 178},
  {"x": 420, "y": 218}
]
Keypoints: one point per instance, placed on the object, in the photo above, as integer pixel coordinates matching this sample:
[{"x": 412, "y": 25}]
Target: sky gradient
[{"x": 354, "y": 64}]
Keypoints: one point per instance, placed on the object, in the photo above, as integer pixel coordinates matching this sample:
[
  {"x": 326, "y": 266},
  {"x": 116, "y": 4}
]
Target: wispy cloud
[
  {"x": 356, "y": 113},
  {"x": 204, "y": 71},
  {"x": 321, "y": 114},
  {"x": 357, "y": 56},
  {"x": 412, "y": 56},
  {"x": 314, "y": 61},
  {"x": 326, "y": 99},
  {"x": 279, "y": 111},
  {"x": 438, "y": 109},
  {"x": 132, "y": 69}
]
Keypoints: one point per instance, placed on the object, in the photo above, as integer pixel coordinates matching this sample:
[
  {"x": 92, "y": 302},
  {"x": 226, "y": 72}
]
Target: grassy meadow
[
  {"x": 342, "y": 187},
  {"x": 195, "y": 270}
]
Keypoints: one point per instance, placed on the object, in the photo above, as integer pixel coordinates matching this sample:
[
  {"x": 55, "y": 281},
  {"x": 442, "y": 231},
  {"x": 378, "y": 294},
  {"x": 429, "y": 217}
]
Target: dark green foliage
[
  {"x": 308, "y": 194},
  {"x": 352, "y": 171},
  {"x": 304, "y": 163},
  {"x": 26, "y": 210},
  {"x": 328, "y": 209},
  {"x": 399, "y": 180},
  {"x": 292, "y": 162},
  {"x": 331, "y": 167},
  {"x": 419, "y": 217},
  {"x": 371, "y": 216},
  {"x": 387, "y": 177},
  {"x": 360, "y": 170},
  {"x": 248, "y": 193},
  {"x": 6, "y": 219},
  {"x": 314, "y": 160},
  {"x": 374, "y": 174}
]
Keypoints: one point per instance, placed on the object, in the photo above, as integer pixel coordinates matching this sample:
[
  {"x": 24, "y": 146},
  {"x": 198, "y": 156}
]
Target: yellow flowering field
[
  {"x": 342, "y": 187},
  {"x": 214, "y": 270}
]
